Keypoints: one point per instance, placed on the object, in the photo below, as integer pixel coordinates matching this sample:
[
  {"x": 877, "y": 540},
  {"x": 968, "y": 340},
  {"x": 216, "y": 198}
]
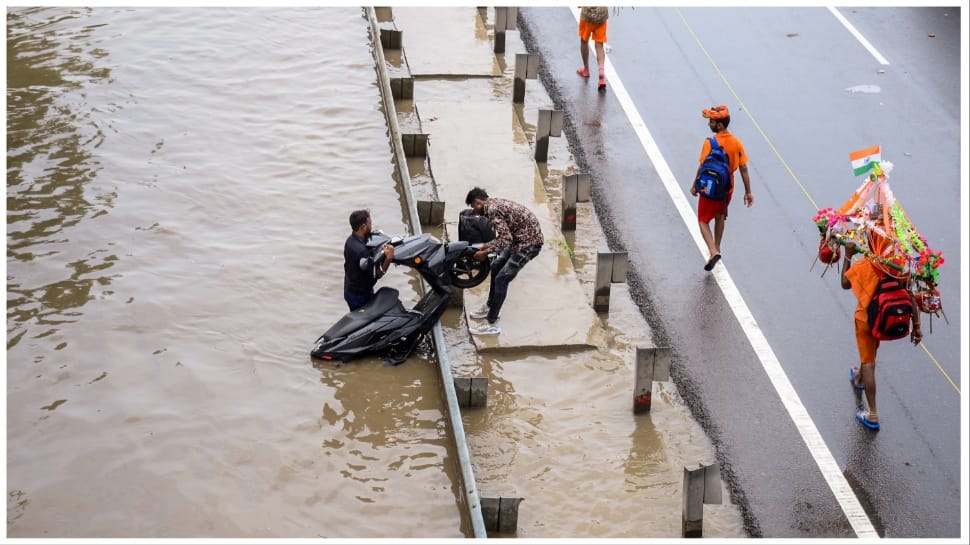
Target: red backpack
[{"x": 890, "y": 309}]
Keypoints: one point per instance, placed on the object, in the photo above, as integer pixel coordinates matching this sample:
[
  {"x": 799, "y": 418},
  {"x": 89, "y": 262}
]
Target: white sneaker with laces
[
  {"x": 487, "y": 329},
  {"x": 479, "y": 314}
]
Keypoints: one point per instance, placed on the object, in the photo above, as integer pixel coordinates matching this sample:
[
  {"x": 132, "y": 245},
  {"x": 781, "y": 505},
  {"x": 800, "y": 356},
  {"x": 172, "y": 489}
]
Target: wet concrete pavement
[
  {"x": 477, "y": 141},
  {"x": 561, "y": 375},
  {"x": 671, "y": 67}
]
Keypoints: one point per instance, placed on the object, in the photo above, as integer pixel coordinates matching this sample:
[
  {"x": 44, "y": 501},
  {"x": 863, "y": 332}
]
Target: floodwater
[{"x": 178, "y": 186}]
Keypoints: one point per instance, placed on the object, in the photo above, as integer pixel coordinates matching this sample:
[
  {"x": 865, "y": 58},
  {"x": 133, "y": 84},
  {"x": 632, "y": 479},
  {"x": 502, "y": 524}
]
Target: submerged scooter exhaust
[{"x": 383, "y": 326}]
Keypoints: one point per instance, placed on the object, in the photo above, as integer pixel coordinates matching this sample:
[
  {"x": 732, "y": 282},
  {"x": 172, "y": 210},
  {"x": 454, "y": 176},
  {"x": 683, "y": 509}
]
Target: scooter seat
[{"x": 385, "y": 300}]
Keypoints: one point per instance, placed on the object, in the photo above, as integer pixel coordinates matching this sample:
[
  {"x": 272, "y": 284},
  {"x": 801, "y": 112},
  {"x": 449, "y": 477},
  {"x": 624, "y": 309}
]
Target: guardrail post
[
  {"x": 506, "y": 18},
  {"x": 701, "y": 485},
  {"x": 575, "y": 188},
  {"x": 610, "y": 268},
  {"x": 391, "y": 38},
  {"x": 583, "y": 187},
  {"x": 526, "y": 67},
  {"x": 471, "y": 392},
  {"x": 548, "y": 124},
  {"x": 402, "y": 88},
  {"x": 431, "y": 212},
  {"x": 570, "y": 185},
  {"x": 652, "y": 364},
  {"x": 501, "y": 514},
  {"x": 415, "y": 145},
  {"x": 383, "y": 14}
]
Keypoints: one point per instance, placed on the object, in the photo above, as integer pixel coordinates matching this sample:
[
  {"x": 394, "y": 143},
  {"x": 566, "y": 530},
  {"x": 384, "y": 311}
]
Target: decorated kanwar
[
  {"x": 874, "y": 223},
  {"x": 895, "y": 278}
]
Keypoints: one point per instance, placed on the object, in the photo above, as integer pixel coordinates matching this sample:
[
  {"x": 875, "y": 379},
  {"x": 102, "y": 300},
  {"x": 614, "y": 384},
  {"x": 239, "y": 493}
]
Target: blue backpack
[{"x": 715, "y": 175}]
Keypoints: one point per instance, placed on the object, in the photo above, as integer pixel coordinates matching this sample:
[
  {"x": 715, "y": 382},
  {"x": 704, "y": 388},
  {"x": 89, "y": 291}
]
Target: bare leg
[
  {"x": 584, "y": 52},
  {"x": 868, "y": 372},
  {"x": 708, "y": 237},
  {"x": 601, "y": 57},
  {"x": 718, "y": 233}
]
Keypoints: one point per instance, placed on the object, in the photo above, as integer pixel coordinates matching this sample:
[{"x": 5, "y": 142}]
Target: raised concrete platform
[
  {"x": 476, "y": 139},
  {"x": 446, "y": 41}
]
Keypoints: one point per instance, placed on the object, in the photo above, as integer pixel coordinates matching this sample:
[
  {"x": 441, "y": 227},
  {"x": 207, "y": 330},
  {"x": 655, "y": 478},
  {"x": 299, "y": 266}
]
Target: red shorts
[{"x": 707, "y": 208}]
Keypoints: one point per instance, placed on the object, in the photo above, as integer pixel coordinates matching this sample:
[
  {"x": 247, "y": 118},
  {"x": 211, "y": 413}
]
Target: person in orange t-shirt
[
  {"x": 862, "y": 278},
  {"x": 718, "y": 119}
]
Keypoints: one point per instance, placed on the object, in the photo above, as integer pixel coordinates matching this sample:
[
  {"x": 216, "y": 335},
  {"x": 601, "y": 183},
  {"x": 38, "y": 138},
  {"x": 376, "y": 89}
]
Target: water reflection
[
  {"x": 176, "y": 217},
  {"x": 383, "y": 418},
  {"x": 646, "y": 462},
  {"x": 51, "y": 133}
]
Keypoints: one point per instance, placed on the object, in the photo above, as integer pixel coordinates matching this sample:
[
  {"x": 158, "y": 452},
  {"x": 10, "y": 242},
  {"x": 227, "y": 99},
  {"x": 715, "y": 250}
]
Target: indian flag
[{"x": 863, "y": 160}]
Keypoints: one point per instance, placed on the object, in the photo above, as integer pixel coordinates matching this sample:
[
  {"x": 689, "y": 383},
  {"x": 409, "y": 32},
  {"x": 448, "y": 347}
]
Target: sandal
[
  {"x": 856, "y": 385},
  {"x": 863, "y": 418},
  {"x": 712, "y": 261}
]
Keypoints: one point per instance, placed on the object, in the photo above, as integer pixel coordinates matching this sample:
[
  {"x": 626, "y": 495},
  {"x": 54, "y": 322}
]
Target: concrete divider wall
[
  {"x": 462, "y": 99},
  {"x": 470, "y": 497}
]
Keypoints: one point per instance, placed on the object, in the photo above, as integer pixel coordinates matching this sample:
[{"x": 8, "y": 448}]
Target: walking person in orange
[
  {"x": 592, "y": 22},
  {"x": 863, "y": 277},
  {"x": 718, "y": 119}
]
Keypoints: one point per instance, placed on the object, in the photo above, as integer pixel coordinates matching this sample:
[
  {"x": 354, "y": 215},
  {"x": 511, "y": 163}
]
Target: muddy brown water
[{"x": 178, "y": 186}]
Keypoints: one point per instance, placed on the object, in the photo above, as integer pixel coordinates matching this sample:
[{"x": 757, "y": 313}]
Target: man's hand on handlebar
[{"x": 482, "y": 254}]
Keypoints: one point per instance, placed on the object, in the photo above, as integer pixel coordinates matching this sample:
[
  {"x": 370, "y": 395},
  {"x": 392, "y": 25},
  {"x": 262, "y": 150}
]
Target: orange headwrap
[{"x": 716, "y": 112}]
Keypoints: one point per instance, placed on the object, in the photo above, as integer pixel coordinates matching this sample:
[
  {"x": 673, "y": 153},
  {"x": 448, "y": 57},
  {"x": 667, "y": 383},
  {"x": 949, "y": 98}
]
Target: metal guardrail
[{"x": 472, "y": 499}]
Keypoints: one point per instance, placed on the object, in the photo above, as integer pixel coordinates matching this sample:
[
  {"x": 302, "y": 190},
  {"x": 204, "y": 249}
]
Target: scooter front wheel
[{"x": 468, "y": 273}]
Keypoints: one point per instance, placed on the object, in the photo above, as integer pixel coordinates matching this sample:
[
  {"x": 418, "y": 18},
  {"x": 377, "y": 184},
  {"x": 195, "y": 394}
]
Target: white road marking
[
  {"x": 799, "y": 414},
  {"x": 858, "y": 36}
]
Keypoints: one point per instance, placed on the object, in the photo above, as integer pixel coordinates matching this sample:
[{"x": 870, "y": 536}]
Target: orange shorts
[
  {"x": 597, "y": 30},
  {"x": 867, "y": 343}
]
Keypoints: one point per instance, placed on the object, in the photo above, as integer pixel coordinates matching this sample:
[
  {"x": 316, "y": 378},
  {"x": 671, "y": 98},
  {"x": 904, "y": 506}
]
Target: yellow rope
[
  {"x": 791, "y": 173},
  {"x": 747, "y": 112}
]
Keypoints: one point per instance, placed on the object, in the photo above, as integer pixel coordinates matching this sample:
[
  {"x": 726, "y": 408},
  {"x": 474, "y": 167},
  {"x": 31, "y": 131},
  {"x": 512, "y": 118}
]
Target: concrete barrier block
[
  {"x": 402, "y": 88},
  {"x": 479, "y": 392},
  {"x": 501, "y": 514}
]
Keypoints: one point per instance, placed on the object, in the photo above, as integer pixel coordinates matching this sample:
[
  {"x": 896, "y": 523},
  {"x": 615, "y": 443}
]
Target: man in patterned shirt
[{"x": 518, "y": 240}]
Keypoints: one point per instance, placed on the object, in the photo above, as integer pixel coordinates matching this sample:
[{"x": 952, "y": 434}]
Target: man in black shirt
[{"x": 359, "y": 283}]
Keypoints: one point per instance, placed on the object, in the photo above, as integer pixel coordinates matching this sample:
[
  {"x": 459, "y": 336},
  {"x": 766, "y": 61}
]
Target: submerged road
[{"x": 763, "y": 346}]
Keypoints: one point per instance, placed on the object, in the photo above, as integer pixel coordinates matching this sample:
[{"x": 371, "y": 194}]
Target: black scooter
[{"x": 383, "y": 326}]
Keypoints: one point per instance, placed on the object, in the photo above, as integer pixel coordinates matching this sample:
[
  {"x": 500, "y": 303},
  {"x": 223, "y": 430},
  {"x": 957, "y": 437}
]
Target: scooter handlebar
[{"x": 379, "y": 255}]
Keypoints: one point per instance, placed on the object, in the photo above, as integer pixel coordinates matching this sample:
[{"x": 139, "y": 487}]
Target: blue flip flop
[
  {"x": 861, "y": 417},
  {"x": 852, "y": 380}
]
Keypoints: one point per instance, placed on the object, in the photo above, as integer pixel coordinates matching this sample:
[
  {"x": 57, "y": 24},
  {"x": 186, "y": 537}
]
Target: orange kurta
[{"x": 864, "y": 276}]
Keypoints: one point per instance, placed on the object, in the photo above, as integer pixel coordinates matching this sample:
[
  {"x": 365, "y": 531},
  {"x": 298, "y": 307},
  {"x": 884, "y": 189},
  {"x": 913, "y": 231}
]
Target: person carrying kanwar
[{"x": 863, "y": 278}]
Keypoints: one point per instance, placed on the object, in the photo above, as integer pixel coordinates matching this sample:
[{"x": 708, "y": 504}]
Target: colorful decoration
[
  {"x": 828, "y": 252},
  {"x": 928, "y": 300},
  {"x": 873, "y": 212},
  {"x": 824, "y": 218}
]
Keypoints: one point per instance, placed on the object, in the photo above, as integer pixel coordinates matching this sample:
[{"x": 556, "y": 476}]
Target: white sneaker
[
  {"x": 487, "y": 329},
  {"x": 479, "y": 314}
]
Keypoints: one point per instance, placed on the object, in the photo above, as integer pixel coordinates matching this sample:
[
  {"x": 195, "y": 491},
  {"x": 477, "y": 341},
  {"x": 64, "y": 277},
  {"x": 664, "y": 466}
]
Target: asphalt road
[{"x": 803, "y": 92}]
